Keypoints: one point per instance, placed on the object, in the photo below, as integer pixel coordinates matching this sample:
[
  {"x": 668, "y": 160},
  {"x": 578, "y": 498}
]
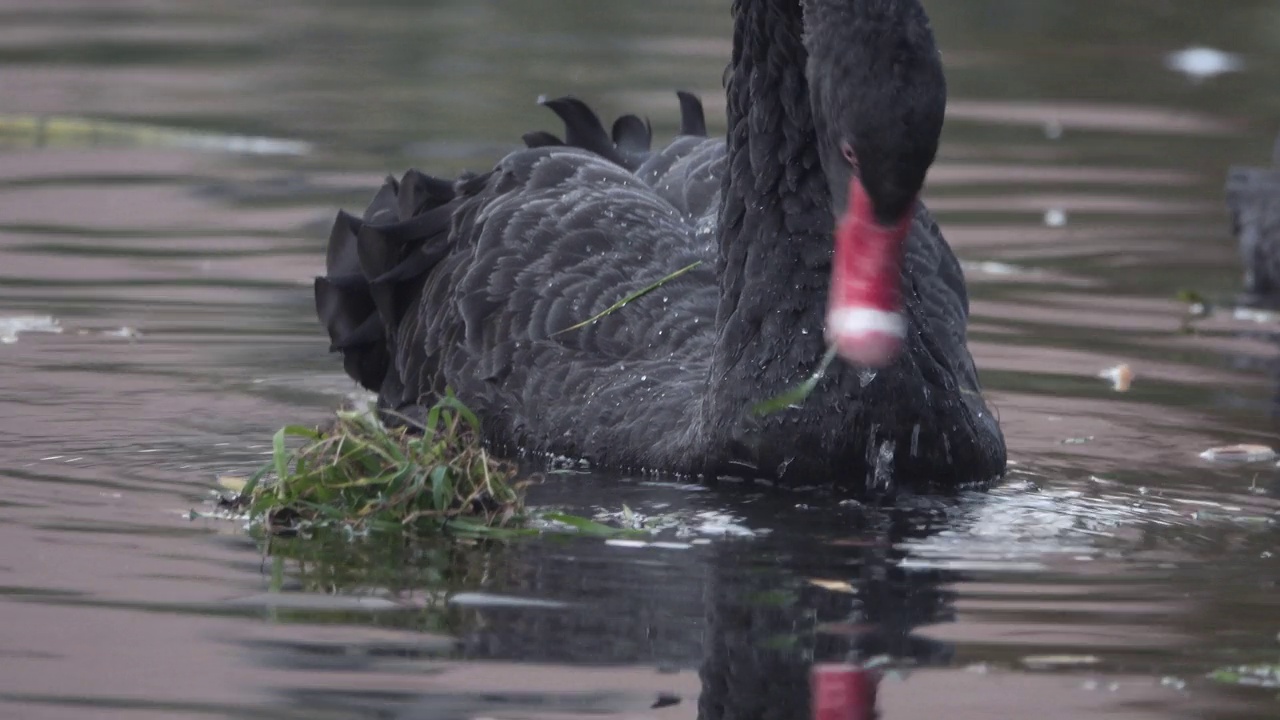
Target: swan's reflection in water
[
  {"x": 730, "y": 628},
  {"x": 749, "y": 616}
]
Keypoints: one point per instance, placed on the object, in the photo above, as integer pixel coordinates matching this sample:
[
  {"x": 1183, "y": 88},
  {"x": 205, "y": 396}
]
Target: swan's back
[{"x": 482, "y": 285}]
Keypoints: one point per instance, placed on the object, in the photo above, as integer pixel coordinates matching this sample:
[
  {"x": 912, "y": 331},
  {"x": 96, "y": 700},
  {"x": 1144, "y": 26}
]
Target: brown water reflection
[{"x": 168, "y": 289}]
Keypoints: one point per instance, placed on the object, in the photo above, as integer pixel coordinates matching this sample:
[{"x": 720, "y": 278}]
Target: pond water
[{"x": 155, "y": 308}]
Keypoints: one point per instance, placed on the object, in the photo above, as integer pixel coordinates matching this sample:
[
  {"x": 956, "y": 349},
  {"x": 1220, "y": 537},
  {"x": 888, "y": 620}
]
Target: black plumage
[
  {"x": 1253, "y": 199},
  {"x": 474, "y": 284}
]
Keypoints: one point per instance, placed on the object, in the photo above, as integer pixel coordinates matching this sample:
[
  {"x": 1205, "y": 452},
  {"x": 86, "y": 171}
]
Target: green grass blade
[
  {"x": 452, "y": 402},
  {"x": 467, "y": 528},
  {"x": 588, "y": 527},
  {"x": 251, "y": 485},
  {"x": 637, "y": 294},
  {"x": 280, "y": 455},
  {"x": 301, "y": 431},
  {"x": 441, "y": 488},
  {"x": 797, "y": 395}
]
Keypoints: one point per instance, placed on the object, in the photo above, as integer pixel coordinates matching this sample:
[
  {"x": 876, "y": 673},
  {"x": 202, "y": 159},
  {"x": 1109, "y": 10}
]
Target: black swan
[
  {"x": 481, "y": 284},
  {"x": 1253, "y": 199}
]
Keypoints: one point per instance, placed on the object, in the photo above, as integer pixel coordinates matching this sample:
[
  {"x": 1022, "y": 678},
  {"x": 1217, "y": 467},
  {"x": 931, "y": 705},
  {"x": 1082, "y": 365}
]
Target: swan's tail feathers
[
  {"x": 633, "y": 136},
  {"x": 627, "y": 146},
  {"x": 692, "y": 120},
  {"x": 541, "y": 138},
  {"x": 631, "y": 141},
  {"x": 582, "y": 127},
  {"x": 374, "y": 273},
  {"x": 346, "y": 308}
]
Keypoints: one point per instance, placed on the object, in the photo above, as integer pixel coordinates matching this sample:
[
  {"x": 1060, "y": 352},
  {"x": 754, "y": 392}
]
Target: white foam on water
[{"x": 11, "y": 327}]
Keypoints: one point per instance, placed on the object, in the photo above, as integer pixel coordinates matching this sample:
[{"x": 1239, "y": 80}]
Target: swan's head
[{"x": 878, "y": 96}]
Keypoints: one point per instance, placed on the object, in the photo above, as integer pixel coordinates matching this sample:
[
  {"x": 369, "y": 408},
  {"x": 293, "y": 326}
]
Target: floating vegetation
[
  {"x": 359, "y": 475},
  {"x": 1198, "y": 306},
  {"x": 1054, "y": 662},
  {"x": 69, "y": 131},
  {"x": 1263, "y": 675},
  {"x": 1239, "y": 454}
]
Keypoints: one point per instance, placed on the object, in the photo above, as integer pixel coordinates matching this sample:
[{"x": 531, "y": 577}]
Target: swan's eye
[{"x": 849, "y": 155}]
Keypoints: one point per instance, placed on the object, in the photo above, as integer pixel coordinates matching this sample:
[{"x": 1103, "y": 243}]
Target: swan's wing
[
  {"x": 553, "y": 237},
  {"x": 486, "y": 302},
  {"x": 689, "y": 174}
]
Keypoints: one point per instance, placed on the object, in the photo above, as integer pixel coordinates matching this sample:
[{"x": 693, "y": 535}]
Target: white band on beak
[{"x": 864, "y": 320}]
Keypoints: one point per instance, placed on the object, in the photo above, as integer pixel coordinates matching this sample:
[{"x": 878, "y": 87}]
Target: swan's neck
[{"x": 775, "y": 222}]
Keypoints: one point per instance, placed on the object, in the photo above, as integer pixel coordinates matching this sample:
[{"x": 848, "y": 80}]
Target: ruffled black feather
[
  {"x": 375, "y": 270},
  {"x": 692, "y": 120}
]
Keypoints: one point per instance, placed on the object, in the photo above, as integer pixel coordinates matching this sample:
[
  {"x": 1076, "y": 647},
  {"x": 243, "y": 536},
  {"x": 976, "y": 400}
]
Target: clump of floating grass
[{"x": 359, "y": 474}]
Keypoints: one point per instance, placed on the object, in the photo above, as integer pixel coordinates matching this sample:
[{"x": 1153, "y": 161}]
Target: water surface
[{"x": 155, "y": 307}]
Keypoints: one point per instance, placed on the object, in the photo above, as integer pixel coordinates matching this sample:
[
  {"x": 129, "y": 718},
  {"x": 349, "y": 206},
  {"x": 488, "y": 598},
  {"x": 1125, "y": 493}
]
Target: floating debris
[
  {"x": 488, "y": 600},
  {"x": 638, "y": 544},
  {"x": 126, "y": 332},
  {"x": 630, "y": 521},
  {"x": 1176, "y": 683},
  {"x": 993, "y": 267},
  {"x": 1094, "y": 686},
  {"x": 552, "y": 521},
  {"x": 234, "y": 484},
  {"x": 68, "y": 131},
  {"x": 1197, "y": 305},
  {"x": 1044, "y": 662},
  {"x": 618, "y": 542},
  {"x": 316, "y": 601},
  {"x": 973, "y": 565},
  {"x": 1055, "y": 218},
  {"x": 840, "y": 586},
  {"x": 1239, "y": 454},
  {"x": 1203, "y": 63},
  {"x": 714, "y": 523},
  {"x": 1262, "y": 675},
  {"x": 1121, "y": 377},
  {"x": 10, "y": 327},
  {"x": 1262, "y": 317}
]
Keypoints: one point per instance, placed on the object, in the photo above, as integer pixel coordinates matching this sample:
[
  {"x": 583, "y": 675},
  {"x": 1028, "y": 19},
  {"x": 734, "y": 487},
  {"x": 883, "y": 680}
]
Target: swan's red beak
[{"x": 864, "y": 312}]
